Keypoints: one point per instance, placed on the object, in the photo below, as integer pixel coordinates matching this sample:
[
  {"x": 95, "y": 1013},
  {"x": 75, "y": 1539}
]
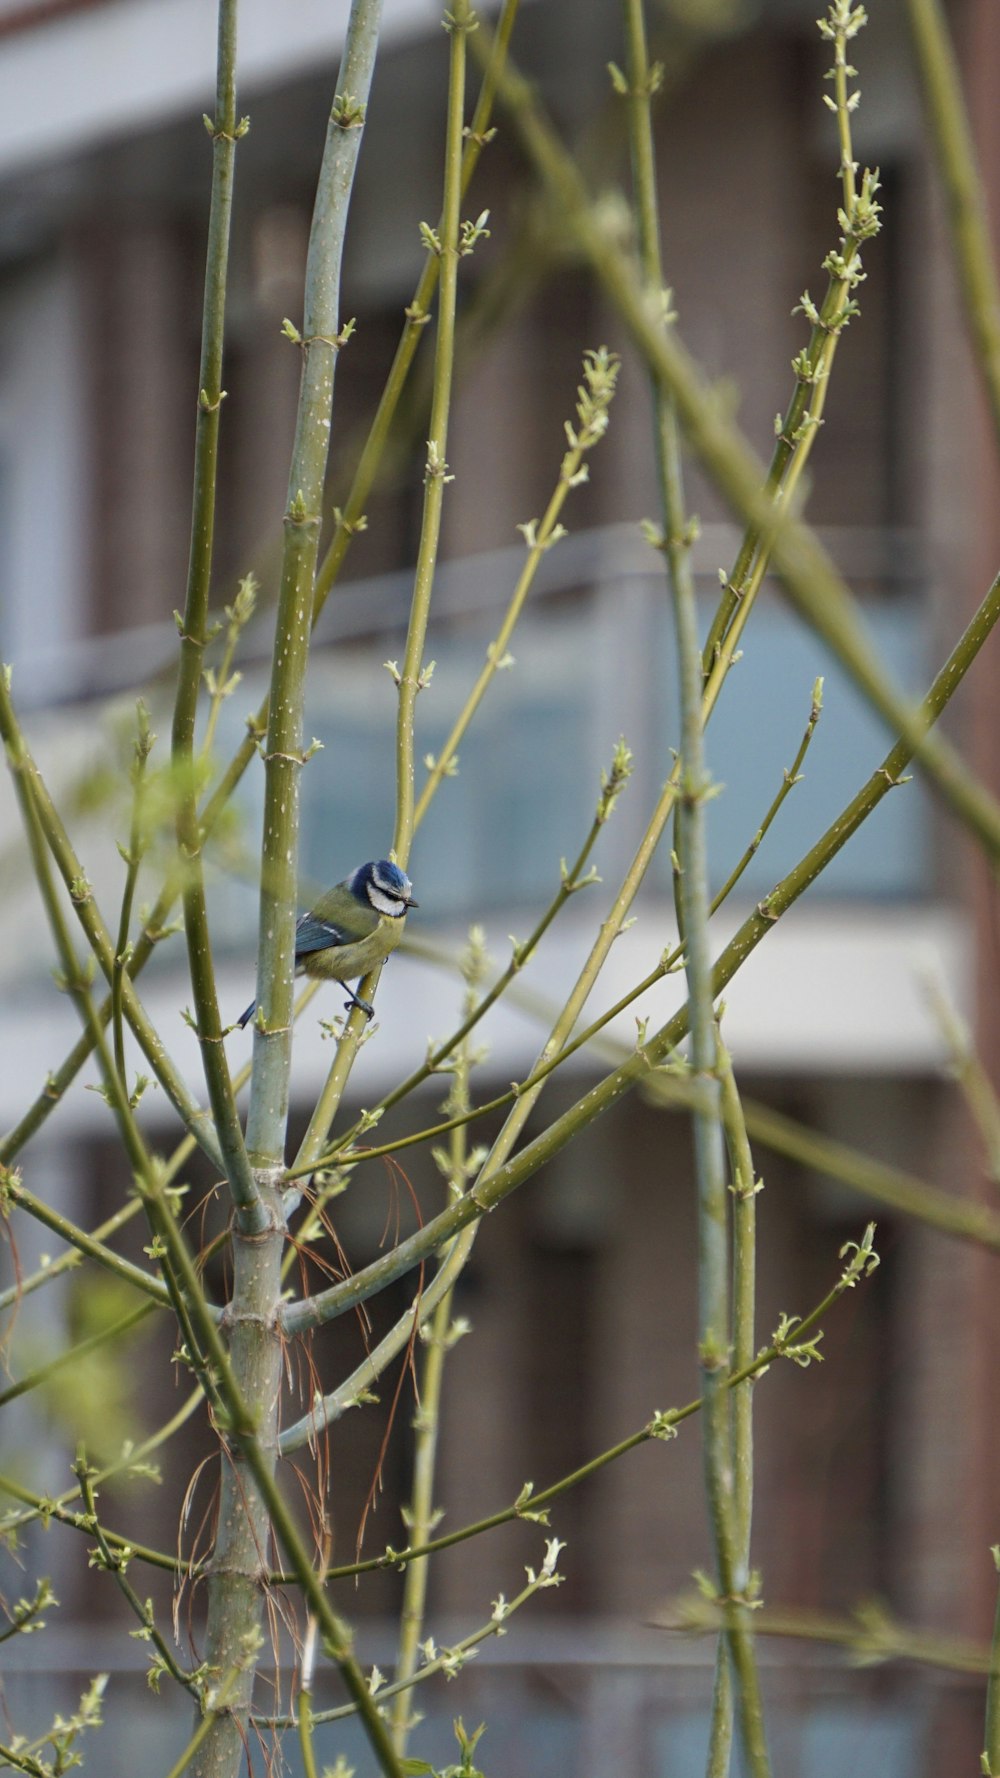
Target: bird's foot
[{"x": 362, "y": 1005}]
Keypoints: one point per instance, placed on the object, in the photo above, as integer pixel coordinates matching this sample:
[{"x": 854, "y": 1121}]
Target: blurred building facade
[{"x": 876, "y": 1474}]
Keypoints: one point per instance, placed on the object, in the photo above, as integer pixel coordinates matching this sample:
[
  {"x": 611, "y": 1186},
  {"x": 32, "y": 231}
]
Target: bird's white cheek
[{"x": 386, "y": 904}]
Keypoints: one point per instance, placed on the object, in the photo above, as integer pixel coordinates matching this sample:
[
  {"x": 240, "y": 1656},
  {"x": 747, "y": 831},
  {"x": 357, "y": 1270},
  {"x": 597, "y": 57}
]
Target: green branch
[
  {"x": 797, "y": 429},
  {"x": 683, "y": 1091},
  {"x": 965, "y": 1219},
  {"x": 791, "y": 776},
  {"x": 319, "y": 342},
  {"x": 967, "y": 208},
  {"x": 743, "y": 1187},
  {"x": 884, "y": 1185},
  {"x": 13, "y": 1191},
  {"x": 594, "y": 397},
  {"x": 446, "y": 243},
  {"x": 70, "y": 1258},
  {"x": 115, "y": 1562},
  {"x": 70, "y": 1356},
  {"x": 438, "y": 1334},
  {"x": 147, "y": 1174},
  {"x": 91, "y": 1245},
  {"x": 26, "y": 1614},
  {"x": 356, "y": 1388},
  {"x": 692, "y": 860},
  {"x": 42, "y": 1508},
  {"x": 448, "y": 1661},
  {"x": 225, "y": 131},
  {"x": 133, "y": 858},
  {"x": 870, "y": 1634}
]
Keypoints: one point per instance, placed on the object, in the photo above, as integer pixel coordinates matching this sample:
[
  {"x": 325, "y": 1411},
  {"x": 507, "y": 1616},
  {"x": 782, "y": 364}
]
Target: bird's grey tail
[{"x": 247, "y": 1016}]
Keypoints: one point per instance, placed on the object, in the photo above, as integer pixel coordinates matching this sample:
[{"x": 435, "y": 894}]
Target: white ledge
[
  {"x": 834, "y": 989},
  {"x": 75, "y": 81}
]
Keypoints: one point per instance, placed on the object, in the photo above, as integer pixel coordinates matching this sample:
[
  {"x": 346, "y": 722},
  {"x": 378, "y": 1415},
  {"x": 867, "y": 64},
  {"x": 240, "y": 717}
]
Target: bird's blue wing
[{"x": 317, "y": 935}]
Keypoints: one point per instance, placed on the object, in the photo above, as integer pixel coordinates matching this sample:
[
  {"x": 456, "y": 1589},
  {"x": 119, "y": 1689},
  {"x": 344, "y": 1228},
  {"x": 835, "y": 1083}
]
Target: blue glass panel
[
  {"x": 754, "y": 735},
  {"x": 522, "y": 797},
  {"x": 868, "y": 1743},
  {"x": 529, "y": 767},
  {"x": 822, "y": 1740}
]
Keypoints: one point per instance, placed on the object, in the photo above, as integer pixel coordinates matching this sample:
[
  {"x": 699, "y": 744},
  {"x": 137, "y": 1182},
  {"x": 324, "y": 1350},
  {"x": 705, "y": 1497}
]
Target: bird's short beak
[{"x": 412, "y": 904}]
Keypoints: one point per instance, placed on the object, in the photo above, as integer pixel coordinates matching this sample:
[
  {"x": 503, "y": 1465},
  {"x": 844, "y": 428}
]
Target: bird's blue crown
[{"x": 381, "y": 882}]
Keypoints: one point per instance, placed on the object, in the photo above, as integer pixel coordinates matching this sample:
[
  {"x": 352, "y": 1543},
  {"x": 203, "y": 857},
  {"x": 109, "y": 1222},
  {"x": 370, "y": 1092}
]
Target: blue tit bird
[{"x": 352, "y": 927}]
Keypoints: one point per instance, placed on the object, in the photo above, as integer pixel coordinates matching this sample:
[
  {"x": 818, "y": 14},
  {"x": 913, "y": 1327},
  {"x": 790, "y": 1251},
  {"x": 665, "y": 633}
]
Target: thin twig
[
  {"x": 458, "y": 23},
  {"x": 968, "y": 214},
  {"x": 225, "y": 130},
  {"x": 133, "y": 859}
]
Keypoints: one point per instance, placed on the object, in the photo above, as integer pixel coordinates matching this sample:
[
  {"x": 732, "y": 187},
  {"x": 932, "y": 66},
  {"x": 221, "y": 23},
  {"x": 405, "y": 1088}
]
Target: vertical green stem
[
  {"x": 744, "y": 1190},
  {"x": 720, "y": 1729},
  {"x": 459, "y": 21},
  {"x": 421, "y": 1519},
  {"x": 967, "y": 212},
  {"x": 304, "y": 1705},
  {"x": 991, "y": 1739},
  {"x": 320, "y": 342},
  {"x": 744, "y": 1345},
  {"x": 133, "y": 859},
  {"x": 225, "y": 132},
  {"x": 240, "y": 1557},
  {"x": 250, "y": 1502},
  {"x": 713, "y": 1206}
]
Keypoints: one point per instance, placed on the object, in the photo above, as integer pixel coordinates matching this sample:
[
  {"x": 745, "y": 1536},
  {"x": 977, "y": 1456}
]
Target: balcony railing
[{"x": 581, "y": 1697}]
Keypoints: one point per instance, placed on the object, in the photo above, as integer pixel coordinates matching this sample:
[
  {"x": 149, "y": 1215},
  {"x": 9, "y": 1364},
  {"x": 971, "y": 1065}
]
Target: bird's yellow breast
[{"x": 345, "y": 963}]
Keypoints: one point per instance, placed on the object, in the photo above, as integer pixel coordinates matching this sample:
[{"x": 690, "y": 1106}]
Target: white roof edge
[{"x": 72, "y": 82}]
